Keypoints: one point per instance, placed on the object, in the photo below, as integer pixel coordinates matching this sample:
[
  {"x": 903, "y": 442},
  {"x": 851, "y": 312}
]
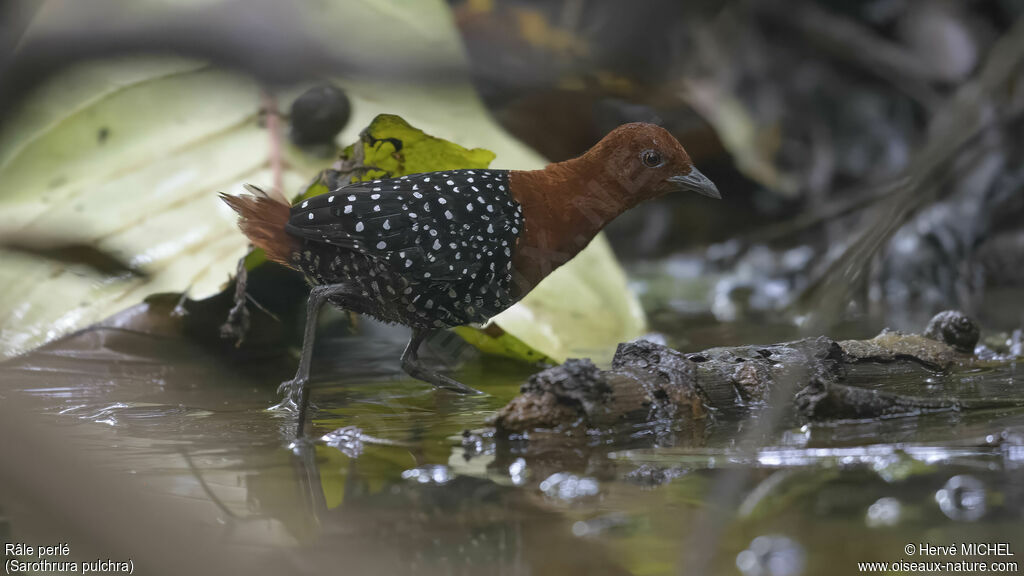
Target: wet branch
[{"x": 648, "y": 382}]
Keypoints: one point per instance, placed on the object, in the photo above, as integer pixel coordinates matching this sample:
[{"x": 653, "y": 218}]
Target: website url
[{"x": 959, "y": 566}]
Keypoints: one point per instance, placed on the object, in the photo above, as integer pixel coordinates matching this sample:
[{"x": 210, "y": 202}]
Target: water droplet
[
  {"x": 579, "y": 529},
  {"x": 884, "y": 512},
  {"x": 348, "y": 439},
  {"x": 962, "y": 498},
  {"x": 565, "y": 486},
  {"x": 798, "y": 438},
  {"x": 599, "y": 525},
  {"x": 1013, "y": 454},
  {"x": 517, "y": 471},
  {"x": 771, "y": 556},
  {"x": 435, "y": 474}
]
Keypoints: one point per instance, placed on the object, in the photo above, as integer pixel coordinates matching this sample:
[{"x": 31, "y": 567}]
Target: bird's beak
[{"x": 695, "y": 181}]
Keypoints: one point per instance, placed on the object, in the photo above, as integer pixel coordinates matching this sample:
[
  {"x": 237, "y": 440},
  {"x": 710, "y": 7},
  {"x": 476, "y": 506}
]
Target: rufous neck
[{"x": 564, "y": 206}]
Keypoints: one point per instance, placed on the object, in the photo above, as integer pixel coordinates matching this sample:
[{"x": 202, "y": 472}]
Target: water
[{"x": 410, "y": 480}]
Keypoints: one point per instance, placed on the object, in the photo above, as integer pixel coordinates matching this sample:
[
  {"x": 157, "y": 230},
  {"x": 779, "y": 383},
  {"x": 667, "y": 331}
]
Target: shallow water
[{"x": 403, "y": 490}]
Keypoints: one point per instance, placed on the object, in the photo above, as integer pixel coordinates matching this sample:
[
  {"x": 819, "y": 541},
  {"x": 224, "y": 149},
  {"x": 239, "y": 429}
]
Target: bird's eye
[{"x": 650, "y": 158}]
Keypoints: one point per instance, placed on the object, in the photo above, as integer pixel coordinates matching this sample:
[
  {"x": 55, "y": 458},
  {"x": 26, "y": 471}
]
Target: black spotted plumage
[{"x": 425, "y": 250}]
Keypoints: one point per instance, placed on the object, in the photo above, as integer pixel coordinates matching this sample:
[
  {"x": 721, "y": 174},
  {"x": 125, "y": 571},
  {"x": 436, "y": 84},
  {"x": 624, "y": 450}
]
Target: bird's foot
[
  {"x": 414, "y": 369},
  {"x": 292, "y": 392},
  {"x": 453, "y": 385}
]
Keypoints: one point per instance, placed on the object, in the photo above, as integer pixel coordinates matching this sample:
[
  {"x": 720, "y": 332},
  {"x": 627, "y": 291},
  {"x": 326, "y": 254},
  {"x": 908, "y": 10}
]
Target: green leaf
[
  {"x": 391, "y": 147},
  {"x": 418, "y": 151},
  {"x": 127, "y": 155}
]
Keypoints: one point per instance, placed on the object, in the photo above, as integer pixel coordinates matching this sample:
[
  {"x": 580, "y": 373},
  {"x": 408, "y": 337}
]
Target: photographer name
[{"x": 965, "y": 549}]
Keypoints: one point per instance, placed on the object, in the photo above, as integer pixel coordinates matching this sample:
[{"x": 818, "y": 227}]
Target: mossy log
[{"x": 650, "y": 382}]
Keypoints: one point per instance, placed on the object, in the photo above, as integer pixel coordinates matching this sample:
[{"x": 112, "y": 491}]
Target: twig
[{"x": 273, "y": 123}]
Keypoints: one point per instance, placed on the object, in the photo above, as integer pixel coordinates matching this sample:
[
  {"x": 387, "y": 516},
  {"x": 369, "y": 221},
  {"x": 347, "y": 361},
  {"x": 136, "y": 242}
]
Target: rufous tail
[{"x": 262, "y": 218}]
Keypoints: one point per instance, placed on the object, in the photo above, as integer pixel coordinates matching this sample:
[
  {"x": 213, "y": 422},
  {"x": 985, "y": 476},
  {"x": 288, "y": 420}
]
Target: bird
[{"x": 441, "y": 249}]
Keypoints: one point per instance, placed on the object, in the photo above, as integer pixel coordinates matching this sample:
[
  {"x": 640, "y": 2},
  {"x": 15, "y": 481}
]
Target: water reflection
[{"x": 407, "y": 480}]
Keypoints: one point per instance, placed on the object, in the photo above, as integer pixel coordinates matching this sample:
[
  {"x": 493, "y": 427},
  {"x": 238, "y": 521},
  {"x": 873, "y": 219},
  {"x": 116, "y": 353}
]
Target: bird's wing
[{"x": 440, "y": 225}]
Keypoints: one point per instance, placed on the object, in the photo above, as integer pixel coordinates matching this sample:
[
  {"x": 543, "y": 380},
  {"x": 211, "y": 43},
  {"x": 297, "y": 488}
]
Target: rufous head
[
  {"x": 566, "y": 204},
  {"x": 645, "y": 161}
]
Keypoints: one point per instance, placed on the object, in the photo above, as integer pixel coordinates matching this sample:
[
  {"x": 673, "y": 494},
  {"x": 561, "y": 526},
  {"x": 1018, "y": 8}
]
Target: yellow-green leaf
[
  {"x": 495, "y": 341},
  {"x": 391, "y": 144}
]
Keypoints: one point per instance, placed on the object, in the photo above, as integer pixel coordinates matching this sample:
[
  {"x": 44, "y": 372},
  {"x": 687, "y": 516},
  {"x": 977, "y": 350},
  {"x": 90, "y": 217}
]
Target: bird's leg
[
  {"x": 237, "y": 323},
  {"x": 412, "y": 366},
  {"x": 296, "y": 390}
]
